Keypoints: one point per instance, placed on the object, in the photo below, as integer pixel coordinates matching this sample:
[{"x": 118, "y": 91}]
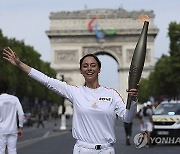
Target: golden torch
[{"x": 138, "y": 58}]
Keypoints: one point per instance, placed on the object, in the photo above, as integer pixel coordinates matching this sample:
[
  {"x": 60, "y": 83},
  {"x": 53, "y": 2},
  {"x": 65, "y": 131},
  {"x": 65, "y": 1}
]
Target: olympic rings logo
[{"x": 93, "y": 26}]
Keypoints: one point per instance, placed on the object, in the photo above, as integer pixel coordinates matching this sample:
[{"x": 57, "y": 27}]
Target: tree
[
  {"x": 164, "y": 81},
  {"x": 18, "y": 82},
  {"x": 143, "y": 91},
  {"x": 174, "y": 35}
]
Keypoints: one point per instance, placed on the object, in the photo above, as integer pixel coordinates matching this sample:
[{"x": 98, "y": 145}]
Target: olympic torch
[{"x": 137, "y": 62}]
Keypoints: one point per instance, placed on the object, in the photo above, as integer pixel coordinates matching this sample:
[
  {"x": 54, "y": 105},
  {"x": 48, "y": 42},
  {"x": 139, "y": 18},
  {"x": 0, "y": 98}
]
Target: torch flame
[{"x": 143, "y": 18}]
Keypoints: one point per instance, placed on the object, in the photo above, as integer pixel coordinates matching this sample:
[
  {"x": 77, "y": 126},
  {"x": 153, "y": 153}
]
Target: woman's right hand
[{"x": 11, "y": 56}]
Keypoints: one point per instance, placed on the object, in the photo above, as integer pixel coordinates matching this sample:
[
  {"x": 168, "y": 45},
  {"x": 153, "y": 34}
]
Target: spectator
[
  {"x": 128, "y": 132},
  {"x": 11, "y": 120},
  {"x": 146, "y": 120},
  {"x": 40, "y": 119}
]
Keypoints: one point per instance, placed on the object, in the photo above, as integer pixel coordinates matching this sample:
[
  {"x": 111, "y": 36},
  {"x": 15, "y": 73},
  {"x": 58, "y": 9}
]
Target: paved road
[{"x": 48, "y": 141}]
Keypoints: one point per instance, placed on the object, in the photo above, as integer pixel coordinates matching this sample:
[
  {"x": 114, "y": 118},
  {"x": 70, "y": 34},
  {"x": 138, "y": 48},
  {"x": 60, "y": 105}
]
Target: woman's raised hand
[{"x": 11, "y": 56}]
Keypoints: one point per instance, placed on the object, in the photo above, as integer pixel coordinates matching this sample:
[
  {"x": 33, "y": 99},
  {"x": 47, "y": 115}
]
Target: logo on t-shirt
[
  {"x": 7, "y": 103},
  {"x": 109, "y": 99},
  {"x": 94, "y": 105}
]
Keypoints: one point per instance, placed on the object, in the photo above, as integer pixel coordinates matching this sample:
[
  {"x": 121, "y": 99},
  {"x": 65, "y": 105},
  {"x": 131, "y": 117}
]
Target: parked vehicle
[
  {"x": 28, "y": 120},
  {"x": 166, "y": 120}
]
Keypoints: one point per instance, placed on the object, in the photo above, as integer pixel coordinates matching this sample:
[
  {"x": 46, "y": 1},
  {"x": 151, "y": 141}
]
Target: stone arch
[
  {"x": 111, "y": 54},
  {"x": 109, "y": 69},
  {"x": 116, "y": 54}
]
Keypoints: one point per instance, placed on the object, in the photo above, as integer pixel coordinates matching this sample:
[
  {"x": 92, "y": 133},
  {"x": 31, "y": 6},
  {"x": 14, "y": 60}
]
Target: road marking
[
  {"x": 46, "y": 135},
  {"x": 25, "y": 143}
]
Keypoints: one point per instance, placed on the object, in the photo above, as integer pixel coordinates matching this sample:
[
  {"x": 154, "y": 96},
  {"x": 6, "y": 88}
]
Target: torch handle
[
  {"x": 137, "y": 62},
  {"x": 128, "y": 105}
]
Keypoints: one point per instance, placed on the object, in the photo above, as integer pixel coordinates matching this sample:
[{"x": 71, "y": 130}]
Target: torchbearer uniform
[
  {"x": 10, "y": 107},
  {"x": 94, "y": 113}
]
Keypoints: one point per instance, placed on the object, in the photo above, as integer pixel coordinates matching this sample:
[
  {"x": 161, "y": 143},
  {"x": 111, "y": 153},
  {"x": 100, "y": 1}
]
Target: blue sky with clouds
[{"x": 28, "y": 20}]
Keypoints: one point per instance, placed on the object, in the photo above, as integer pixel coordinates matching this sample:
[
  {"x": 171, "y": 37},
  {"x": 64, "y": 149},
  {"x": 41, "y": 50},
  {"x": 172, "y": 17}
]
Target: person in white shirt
[
  {"x": 10, "y": 111},
  {"x": 95, "y": 107},
  {"x": 146, "y": 120}
]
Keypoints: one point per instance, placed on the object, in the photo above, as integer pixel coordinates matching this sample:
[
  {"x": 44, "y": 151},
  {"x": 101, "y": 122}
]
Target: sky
[{"x": 28, "y": 20}]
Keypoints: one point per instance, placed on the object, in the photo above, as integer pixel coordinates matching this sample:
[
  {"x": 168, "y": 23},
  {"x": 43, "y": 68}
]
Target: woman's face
[{"x": 90, "y": 69}]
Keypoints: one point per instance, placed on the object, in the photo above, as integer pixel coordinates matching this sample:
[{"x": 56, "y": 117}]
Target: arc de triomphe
[{"x": 74, "y": 34}]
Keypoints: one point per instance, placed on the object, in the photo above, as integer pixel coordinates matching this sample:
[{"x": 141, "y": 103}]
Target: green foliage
[
  {"x": 143, "y": 91},
  {"x": 18, "y": 82},
  {"x": 161, "y": 79},
  {"x": 164, "y": 81},
  {"x": 174, "y": 35}
]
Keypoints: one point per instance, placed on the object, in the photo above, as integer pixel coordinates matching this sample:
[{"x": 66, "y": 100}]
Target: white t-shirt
[
  {"x": 94, "y": 110},
  {"x": 10, "y": 107}
]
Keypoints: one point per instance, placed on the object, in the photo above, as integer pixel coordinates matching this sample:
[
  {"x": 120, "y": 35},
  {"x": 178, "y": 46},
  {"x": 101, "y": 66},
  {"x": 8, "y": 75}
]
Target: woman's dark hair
[
  {"x": 90, "y": 55},
  {"x": 3, "y": 87}
]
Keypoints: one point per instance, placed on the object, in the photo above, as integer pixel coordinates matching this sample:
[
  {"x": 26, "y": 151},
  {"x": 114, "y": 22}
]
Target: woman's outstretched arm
[{"x": 13, "y": 58}]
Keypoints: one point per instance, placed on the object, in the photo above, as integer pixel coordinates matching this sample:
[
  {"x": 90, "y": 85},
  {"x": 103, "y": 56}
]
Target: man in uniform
[{"x": 10, "y": 112}]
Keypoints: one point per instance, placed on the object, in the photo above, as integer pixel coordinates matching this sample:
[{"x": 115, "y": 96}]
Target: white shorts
[
  {"x": 81, "y": 149},
  {"x": 146, "y": 126},
  {"x": 9, "y": 140}
]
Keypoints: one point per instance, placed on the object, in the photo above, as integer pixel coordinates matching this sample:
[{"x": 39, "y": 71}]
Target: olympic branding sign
[{"x": 93, "y": 25}]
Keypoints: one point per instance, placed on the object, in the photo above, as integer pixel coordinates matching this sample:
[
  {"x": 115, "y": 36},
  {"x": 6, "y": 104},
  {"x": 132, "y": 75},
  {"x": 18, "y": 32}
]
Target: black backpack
[{"x": 144, "y": 111}]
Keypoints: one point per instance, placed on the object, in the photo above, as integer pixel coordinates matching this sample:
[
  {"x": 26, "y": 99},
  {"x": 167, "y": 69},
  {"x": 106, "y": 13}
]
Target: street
[{"x": 51, "y": 140}]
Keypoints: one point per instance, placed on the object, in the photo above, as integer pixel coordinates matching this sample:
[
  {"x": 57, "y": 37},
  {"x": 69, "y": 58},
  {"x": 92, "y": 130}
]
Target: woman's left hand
[{"x": 133, "y": 92}]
